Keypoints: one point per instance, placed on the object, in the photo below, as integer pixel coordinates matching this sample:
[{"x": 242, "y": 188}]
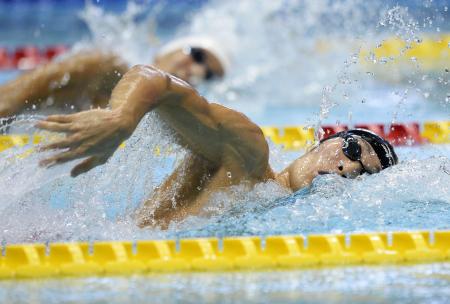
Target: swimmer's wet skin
[{"x": 226, "y": 147}]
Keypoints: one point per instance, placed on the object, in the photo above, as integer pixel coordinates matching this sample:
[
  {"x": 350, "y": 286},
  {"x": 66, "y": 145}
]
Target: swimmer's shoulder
[
  {"x": 244, "y": 137},
  {"x": 230, "y": 118}
]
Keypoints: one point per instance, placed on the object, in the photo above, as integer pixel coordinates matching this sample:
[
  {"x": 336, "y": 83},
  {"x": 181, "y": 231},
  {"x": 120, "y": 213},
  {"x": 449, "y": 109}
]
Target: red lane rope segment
[{"x": 28, "y": 57}]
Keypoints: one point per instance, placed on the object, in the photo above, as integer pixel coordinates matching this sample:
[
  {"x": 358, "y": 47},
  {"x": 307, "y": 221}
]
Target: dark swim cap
[{"x": 382, "y": 147}]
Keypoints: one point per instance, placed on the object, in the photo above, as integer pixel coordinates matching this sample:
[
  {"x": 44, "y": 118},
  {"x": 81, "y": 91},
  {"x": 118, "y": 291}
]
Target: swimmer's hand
[{"x": 95, "y": 134}]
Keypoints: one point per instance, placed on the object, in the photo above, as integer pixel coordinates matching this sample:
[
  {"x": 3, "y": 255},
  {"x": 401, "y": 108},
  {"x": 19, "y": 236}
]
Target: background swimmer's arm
[
  {"x": 89, "y": 75},
  {"x": 216, "y": 133}
]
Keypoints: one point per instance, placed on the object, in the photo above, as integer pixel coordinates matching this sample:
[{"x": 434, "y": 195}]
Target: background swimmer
[
  {"x": 85, "y": 80},
  {"x": 227, "y": 148}
]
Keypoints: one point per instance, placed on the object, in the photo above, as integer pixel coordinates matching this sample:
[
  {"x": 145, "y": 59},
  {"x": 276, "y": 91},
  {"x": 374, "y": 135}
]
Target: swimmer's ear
[{"x": 88, "y": 164}]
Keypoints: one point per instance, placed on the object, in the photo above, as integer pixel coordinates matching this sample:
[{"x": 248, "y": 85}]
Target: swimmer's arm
[
  {"x": 63, "y": 80},
  {"x": 145, "y": 88},
  {"x": 213, "y": 131},
  {"x": 97, "y": 133},
  {"x": 209, "y": 130}
]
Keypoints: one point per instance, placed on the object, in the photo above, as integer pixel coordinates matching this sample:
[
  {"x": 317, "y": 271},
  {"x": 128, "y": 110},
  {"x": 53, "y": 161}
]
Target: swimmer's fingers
[
  {"x": 54, "y": 126},
  {"x": 64, "y": 143},
  {"x": 60, "y": 118},
  {"x": 60, "y": 144},
  {"x": 88, "y": 164},
  {"x": 61, "y": 158}
]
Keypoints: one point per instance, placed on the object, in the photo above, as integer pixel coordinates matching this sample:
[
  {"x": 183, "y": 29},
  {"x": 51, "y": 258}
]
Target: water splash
[
  {"x": 332, "y": 204},
  {"x": 278, "y": 62}
]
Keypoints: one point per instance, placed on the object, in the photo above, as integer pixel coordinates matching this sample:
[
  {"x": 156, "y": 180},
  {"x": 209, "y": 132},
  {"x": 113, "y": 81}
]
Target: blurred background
[
  {"x": 292, "y": 62},
  {"x": 341, "y": 61}
]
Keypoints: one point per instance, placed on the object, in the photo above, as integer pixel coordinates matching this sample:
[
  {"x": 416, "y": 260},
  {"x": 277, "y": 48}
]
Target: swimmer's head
[
  {"x": 193, "y": 59},
  {"x": 353, "y": 153}
]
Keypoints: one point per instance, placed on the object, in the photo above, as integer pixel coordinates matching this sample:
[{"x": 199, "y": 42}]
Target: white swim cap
[{"x": 201, "y": 42}]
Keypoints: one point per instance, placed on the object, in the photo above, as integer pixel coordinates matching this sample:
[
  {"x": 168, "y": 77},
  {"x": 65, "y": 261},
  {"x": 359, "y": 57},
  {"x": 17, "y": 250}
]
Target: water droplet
[
  {"x": 72, "y": 107},
  {"x": 229, "y": 174},
  {"x": 50, "y": 101},
  {"x": 65, "y": 79},
  {"x": 33, "y": 107},
  {"x": 426, "y": 94}
]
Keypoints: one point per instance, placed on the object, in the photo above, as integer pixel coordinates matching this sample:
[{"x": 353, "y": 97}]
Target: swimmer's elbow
[{"x": 147, "y": 72}]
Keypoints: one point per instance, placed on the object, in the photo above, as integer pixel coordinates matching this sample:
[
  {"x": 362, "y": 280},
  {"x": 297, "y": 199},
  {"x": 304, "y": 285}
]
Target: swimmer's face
[
  {"x": 329, "y": 158},
  {"x": 193, "y": 65}
]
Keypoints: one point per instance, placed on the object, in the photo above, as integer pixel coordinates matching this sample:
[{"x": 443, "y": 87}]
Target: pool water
[
  {"x": 392, "y": 284},
  {"x": 280, "y": 76}
]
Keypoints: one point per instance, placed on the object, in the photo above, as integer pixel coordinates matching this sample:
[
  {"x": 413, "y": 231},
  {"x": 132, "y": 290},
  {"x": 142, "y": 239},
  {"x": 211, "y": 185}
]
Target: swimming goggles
[
  {"x": 199, "y": 55},
  {"x": 352, "y": 150}
]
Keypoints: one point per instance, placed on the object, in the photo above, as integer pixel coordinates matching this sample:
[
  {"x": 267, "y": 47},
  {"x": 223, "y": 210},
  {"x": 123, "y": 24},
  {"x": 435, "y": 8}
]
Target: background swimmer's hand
[{"x": 95, "y": 134}]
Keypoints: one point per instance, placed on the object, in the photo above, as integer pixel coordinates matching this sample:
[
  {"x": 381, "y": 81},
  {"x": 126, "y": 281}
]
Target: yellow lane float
[{"x": 230, "y": 253}]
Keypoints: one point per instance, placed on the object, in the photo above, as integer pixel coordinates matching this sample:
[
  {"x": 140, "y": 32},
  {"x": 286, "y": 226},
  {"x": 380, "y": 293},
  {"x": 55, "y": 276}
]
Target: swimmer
[
  {"x": 85, "y": 80},
  {"x": 226, "y": 148}
]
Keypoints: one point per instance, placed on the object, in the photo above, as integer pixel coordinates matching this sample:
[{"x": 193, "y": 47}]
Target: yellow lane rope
[
  {"x": 291, "y": 137},
  {"x": 432, "y": 52},
  {"x": 230, "y": 253}
]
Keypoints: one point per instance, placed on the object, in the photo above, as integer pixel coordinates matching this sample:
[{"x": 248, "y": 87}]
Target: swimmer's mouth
[
  {"x": 326, "y": 172},
  {"x": 323, "y": 172}
]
